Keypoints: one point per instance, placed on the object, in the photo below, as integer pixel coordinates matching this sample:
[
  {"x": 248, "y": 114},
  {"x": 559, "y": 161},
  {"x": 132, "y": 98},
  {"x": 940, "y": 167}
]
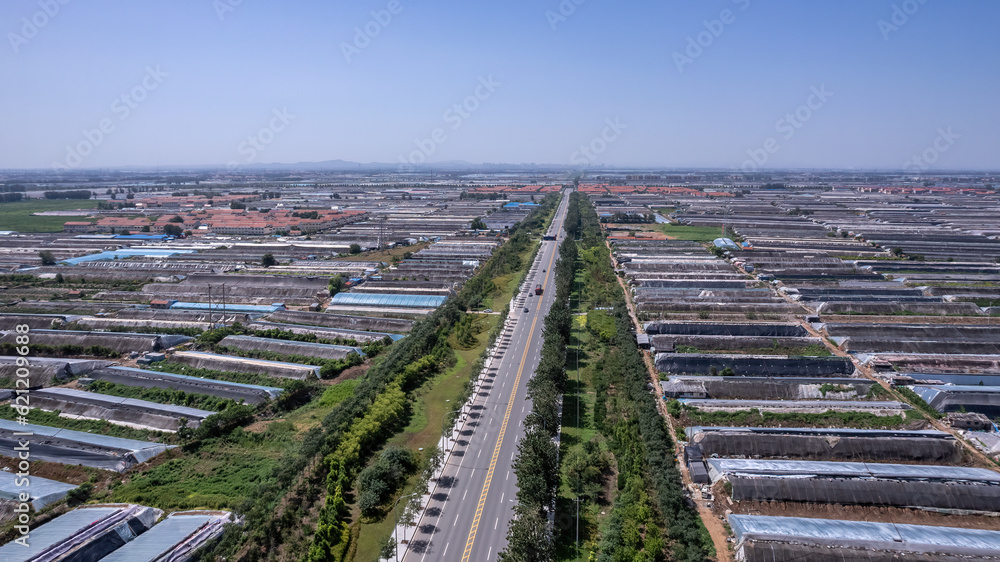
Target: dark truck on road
[{"x": 538, "y": 289}]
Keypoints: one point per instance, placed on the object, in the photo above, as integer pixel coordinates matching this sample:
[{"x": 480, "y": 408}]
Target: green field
[
  {"x": 17, "y": 216},
  {"x": 694, "y": 233}
]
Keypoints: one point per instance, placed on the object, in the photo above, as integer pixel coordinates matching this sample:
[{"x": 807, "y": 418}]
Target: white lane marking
[
  {"x": 501, "y": 497},
  {"x": 495, "y": 524},
  {"x": 465, "y": 494},
  {"x": 445, "y": 549},
  {"x": 456, "y": 519},
  {"x": 508, "y": 476},
  {"x": 488, "y": 552},
  {"x": 512, "y": 455},
  {"x": 479, "y": 453}
]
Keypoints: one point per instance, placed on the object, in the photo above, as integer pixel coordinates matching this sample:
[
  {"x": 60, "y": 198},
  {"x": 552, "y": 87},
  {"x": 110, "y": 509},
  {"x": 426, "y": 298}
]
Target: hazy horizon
[{"x": 728, "y": 84}]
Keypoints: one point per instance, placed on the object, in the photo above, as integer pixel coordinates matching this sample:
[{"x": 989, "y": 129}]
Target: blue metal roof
[
  {"x": 127, "y": 253},
  {"x": 142, "y": 236},
  {"x": 263, "y": 309},
  {"x": 381, "y": 299}
]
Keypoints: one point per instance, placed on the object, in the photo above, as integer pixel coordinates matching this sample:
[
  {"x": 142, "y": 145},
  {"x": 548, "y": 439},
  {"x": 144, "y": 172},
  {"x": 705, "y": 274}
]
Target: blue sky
[{"x": 211, "y": 82}]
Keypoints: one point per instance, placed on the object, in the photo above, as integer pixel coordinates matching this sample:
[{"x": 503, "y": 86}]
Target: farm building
[
  {"x": 119, "y": 342},
  {"x": 948, "y": 488},
  {"x": 287, "y": 347},
  {"x": 766, "y": 539},
  {"x": 87, "y": 533},
  {"x": 826, "y": 444},
  {"x": 175, "y": 538},
  {"x": 41, "y": 491},
  {"x": 323, "y": 332},
  {"x": 876, "y": 407},
  {"x": 77, "y": 447},
  {"x": 765, "y": 388},
  {"x": 44, "y": 370},
  {"x": 218, "y": 362},
  {"x": 117, "y": 410},
  {"x": 363, "y": 323},
  {"x": 249, "y": 393},
  {"x": 754, "y": 365}
]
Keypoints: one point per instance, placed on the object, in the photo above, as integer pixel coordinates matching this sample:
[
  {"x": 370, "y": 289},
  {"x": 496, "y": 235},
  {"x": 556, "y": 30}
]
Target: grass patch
[
  {"x": 18, "y": 216},
  {"x": 384, "y": 255},
  {"x": 693, "y": 233},
  {"x": 216, "y": 476},
  {"x": 432, "y": 401},
  {"x": 337, "y": 393}
]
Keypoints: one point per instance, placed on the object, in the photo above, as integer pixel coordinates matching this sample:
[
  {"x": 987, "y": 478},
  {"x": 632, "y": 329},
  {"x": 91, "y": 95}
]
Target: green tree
[
  {"x": 336, "y": 284},
  {"x": 172, "y": 230},
  {"x": 478, "y": 224},
  {"x": 528, "y": 539},
  {"x": 267, "y": 260},
  {"x": 47, "y": 257},
  {"x": 355, "y": 249},
  {"x": 387, "y": 548}
]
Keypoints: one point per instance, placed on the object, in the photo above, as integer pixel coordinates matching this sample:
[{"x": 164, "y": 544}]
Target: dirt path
[{"x": 714, "y": 525}]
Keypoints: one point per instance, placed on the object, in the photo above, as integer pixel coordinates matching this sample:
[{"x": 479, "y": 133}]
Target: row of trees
[
  {"x": 529, "y": 536},
  {"x": 649, "y": 519},
  {"x": 334, "y": 453},
  {"x": 69, "y": 194}
]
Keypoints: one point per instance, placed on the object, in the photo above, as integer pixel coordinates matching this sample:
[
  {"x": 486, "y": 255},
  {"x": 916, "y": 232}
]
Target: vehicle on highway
[
  {"x": 526, "y": 310},
  {"x": 538, "y": 289}
]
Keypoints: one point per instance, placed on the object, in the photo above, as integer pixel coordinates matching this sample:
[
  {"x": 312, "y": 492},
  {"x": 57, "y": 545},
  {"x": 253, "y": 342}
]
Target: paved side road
[{"x": 467, "y": 515}]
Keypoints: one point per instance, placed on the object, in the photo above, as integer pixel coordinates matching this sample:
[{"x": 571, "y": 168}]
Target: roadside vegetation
[
  {"x": 303, "y": 498},
  {"x": 618, "y": 462}
]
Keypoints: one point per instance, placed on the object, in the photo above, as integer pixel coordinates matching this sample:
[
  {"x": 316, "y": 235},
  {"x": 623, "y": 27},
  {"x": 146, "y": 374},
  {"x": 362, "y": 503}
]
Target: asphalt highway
[{"x": 467, "y": 516}]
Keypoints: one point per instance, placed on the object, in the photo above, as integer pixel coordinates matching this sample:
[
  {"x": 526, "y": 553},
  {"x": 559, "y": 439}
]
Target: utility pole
[
  {"x": 223, "y": 305},
  {"x": 211, "y": 317}
]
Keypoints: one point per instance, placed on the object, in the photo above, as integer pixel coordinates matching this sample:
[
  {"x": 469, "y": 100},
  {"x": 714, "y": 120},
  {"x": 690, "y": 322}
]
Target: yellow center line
[{"x": 503, "y": 428}]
